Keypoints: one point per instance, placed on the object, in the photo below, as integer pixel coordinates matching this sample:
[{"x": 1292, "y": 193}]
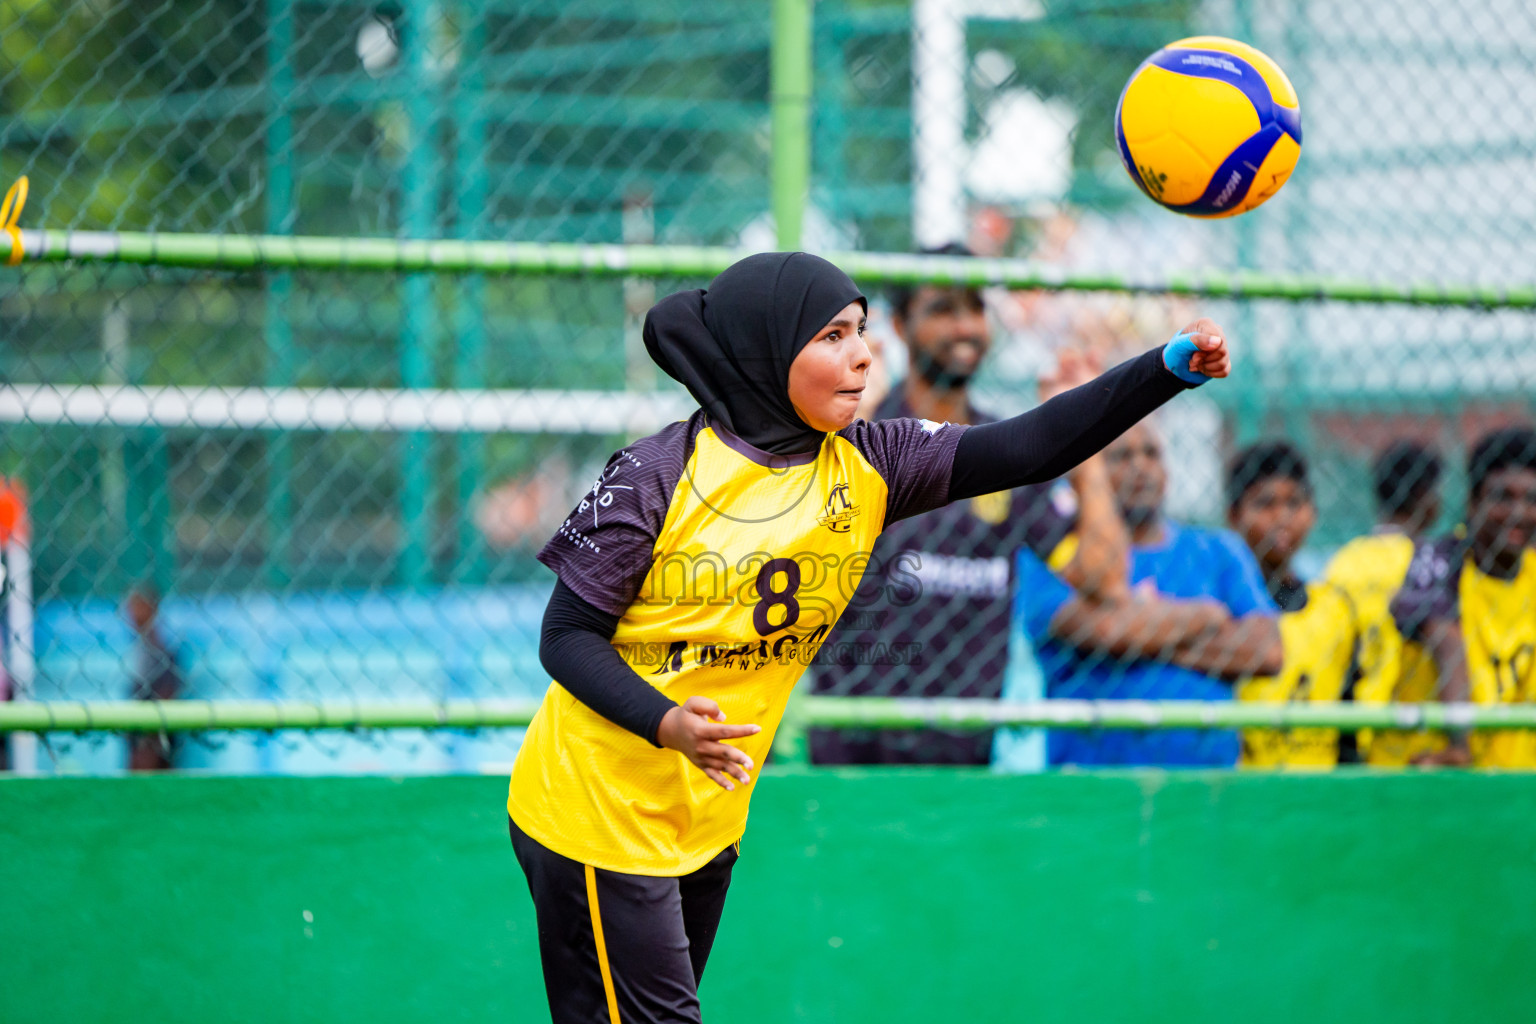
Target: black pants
[{"x": 622, "y": 948}]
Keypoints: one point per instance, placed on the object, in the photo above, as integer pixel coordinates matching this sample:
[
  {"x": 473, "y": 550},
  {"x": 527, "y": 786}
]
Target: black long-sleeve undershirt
[
  {"x": 1055, "y": 436},
  {"x": 574, "y": 650},
  {"x": 1031, "y": 448}
]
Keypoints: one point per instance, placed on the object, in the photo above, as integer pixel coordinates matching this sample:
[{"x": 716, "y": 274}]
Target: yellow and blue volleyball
[{"x": 1209, "y": 127}]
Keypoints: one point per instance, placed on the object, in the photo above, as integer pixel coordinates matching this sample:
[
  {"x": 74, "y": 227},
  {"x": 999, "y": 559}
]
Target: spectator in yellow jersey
[
  {"x": 1370, "y": 570},
  {"x": 1189, "y": 619},
  {"x": 1269, "y": 504},
  {"x": 1472, "y": 602}
]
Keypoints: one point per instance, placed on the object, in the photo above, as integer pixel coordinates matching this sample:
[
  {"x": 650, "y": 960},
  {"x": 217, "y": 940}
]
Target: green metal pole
[
  {"x": 543, "y": 259},
  {"x": 280, "y": 367},
  {"x": 417, "y": 330},
  {"x": 473, "y": 188},
  {"x": 790, "y": 86},
  {"x": 830, "y": 121},
  {"x": 148, "y": 557},
  {"x": 830, "y": 712}
]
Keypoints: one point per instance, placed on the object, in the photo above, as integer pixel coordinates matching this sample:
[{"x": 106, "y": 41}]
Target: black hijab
[{"x": 731, "y": 344}]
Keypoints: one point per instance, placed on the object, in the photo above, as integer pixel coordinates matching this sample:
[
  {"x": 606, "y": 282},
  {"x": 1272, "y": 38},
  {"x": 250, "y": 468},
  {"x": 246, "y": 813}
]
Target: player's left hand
[
  {"x": 1199, "y": 352},
  {"x": 697, "y": 730}
]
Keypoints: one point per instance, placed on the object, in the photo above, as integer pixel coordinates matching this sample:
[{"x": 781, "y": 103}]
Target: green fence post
[
  {"x": 417, "y": 330},
  {"x": 830, "y": 124},
  {"x": 278, "y": 328},
  {"x": 472, "y": 188},
  {"x": 790, "y": 70},
  {"x": 790, "y": 86},
  {"x": 149, "y": 555}
]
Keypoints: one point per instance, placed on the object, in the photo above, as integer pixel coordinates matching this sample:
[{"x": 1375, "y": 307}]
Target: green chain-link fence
[{"x": 338, "y": 480}]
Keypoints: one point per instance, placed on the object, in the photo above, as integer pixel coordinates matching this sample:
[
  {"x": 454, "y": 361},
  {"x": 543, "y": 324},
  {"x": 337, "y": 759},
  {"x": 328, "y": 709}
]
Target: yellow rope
[{"x": 10, "y": 214}]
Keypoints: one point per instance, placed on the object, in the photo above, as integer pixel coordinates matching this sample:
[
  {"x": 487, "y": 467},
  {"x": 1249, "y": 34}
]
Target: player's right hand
[
  {"x": 1198, "y": 353},
  {"x": 696, "y": 730}
]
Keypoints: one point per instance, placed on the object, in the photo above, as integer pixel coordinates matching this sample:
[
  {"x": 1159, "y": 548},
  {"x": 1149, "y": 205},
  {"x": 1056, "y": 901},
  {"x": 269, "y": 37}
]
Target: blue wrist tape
[{"x": 1176, "y": 356}]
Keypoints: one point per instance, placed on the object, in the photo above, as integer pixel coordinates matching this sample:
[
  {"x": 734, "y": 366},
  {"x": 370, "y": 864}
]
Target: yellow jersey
[
  {"x": 1497, "y": 620},
  {"x": 1498, "y": 630},
  {"x": 1370, "y": 571},
  {"x": 1319, "y": 644},
  {"x": 728, "y": 567}
]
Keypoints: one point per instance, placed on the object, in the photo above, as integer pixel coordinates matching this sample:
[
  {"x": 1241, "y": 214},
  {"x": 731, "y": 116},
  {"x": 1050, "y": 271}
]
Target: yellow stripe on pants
[{"x": 602, "y": 947}]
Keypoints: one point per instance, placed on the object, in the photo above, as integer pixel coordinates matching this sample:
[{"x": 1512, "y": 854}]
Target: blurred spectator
[
  {"x": 155, "y": 676},
  {"x": 1195, "y": 616},
  {"x": 1471, "y": 602},
  {"x": 1370, "y": 570},
  {"x": 522, "y": 511},
  {"x": 930, "y": 617},
  {"x": 12, "y": 513},
  {"x": 5, "y": 678},
  {"x": 1269, "y": 504},
  {"x": 877, "y": 384},
  {"x": 5, "y": 695},
  {"x": 991, "y": 230},
  {"x": 1407, "y": 482}
]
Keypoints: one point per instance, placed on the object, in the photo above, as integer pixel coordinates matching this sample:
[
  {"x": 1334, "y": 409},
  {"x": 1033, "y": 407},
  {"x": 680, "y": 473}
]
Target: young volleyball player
[{"x": 696, "y": 580}]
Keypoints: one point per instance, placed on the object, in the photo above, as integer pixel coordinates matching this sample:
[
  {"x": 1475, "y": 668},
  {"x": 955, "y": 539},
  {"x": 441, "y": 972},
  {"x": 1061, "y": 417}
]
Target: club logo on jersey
[
  {"x": 839, "y": 512},
  {"x": 789, "y": 649},
  {"x": 672, "y": 661}
]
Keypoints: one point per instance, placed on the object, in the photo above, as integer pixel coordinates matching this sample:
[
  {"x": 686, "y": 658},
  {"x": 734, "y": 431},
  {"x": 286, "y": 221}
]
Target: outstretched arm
[{"x": 1052, "y": 438}]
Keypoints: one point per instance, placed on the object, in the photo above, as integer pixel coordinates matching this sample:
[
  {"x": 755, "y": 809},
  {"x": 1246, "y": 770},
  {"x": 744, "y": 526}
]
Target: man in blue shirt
[
  {"x": 1193, "y": 616},
  {"x": 938, "y": 591}
]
